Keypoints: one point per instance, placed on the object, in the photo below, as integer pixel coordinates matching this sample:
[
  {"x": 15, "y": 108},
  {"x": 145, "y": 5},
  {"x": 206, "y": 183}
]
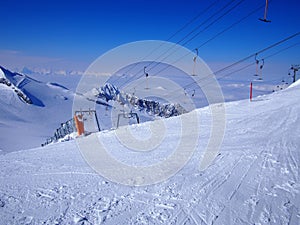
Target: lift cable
[
  {"x": 195, "y": 29},
  {"x": 177, "y": 32},
  {"x": 244, "y": 59},
  {"x": 215, "y": 36}
]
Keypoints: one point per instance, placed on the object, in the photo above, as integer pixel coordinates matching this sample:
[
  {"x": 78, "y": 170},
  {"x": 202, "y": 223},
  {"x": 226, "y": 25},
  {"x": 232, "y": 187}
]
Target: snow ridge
[
  {"x": 4, "y": 80},
  {"x": 109, "y": 92},
  {"x": 32, "y": 91},
  {"x": 42, "y": 106}
]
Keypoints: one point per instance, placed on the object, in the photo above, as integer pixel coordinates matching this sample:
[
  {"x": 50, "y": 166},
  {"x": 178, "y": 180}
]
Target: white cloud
[
  {"x": 17, "y": 60},
  {"x": 236, "y": 85},
  {"x": 9, "y": 51}
]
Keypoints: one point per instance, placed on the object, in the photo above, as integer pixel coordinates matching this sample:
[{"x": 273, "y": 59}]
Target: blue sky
[{"x": 74, "y": 33}]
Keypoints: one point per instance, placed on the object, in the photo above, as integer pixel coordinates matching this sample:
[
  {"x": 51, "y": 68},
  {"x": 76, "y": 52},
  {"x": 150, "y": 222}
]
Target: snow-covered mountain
[
  {"x": 44, "y": 71},
  {"x": 44, "y": 106},
  {"x": 253, "y": 180},
  {"x": 109, "y": 92},
  {"x": 30, "y": 110},
  {"x": 33, "y": 91}
]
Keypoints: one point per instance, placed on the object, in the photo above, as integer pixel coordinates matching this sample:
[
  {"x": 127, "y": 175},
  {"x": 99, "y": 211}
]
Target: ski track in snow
[{"x": 254, "y": 179}]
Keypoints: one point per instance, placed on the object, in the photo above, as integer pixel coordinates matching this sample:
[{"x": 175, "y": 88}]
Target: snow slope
[
  {"x": 254, "y": 179},
  {"x": 32, "y": 110},
  {"x": 23, "y": 125},
  {"x": 43, "y": 106}
]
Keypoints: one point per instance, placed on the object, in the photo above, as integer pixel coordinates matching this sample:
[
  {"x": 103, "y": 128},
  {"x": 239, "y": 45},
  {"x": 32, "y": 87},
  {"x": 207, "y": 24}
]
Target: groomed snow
[{"x": 254, "y": 179}]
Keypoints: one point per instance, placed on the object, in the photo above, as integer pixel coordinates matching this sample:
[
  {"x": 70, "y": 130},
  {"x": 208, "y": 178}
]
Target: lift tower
[{"x": 295, "y": 68}]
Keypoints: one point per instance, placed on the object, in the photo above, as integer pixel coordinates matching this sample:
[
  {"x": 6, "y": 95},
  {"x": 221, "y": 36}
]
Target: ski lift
[
  {"x": 265, "y": 14},
  {"x": 257, "y": 74},
  {"x": 256, "y": 67},
  {"x": 261, "y": 67},
  {"x": 106, "y": 110},
  {"x": 185, "y": 93},
  {"x": 84, "y": 121},
  {"x": 193, "y": 93},
  {"x": 129, "y": 115},
  {"x": 146, "y": 75},
  {"x": 195, "y": 59},
  {"x": 283, "y": 81}
]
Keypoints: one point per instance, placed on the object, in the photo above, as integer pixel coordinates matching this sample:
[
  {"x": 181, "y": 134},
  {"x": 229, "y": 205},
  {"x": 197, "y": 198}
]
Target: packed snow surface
[{"x": 253, "y": 180}]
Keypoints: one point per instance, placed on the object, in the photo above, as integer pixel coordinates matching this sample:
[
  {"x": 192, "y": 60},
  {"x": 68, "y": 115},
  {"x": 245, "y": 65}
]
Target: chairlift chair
[
  {"x": 195, "y": 59},
  {"x": 265, "y": 14},
  {"x": 256, "y": 66},
  {"x": 146, "y": 75}
]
